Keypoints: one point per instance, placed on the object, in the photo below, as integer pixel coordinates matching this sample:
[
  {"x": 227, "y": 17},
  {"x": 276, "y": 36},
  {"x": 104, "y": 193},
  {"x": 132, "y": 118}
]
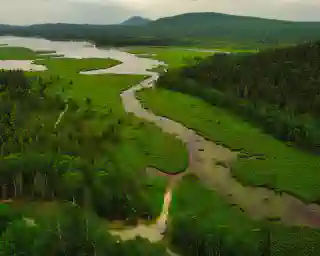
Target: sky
[{"x": 25, "y": 12}]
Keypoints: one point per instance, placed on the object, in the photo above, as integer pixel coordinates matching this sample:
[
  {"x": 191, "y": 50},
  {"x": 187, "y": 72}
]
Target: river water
[{"x": 25, "y": 65}]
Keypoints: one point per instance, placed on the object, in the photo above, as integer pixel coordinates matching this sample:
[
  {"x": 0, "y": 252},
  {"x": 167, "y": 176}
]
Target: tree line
[
  {"x": 104, "y": 188},
  {"x": 277, "y": 89}
]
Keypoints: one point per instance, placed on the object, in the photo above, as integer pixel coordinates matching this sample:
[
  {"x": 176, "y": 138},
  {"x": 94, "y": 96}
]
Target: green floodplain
[{"x": 99, "y": 133}]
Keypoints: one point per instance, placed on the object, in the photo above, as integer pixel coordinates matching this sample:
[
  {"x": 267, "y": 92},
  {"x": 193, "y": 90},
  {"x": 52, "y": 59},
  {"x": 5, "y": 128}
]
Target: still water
[{"x": 131, "y": 64}]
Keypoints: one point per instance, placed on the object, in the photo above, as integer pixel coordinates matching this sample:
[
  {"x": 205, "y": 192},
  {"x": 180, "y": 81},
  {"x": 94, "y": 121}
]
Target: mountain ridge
[{"x": 136, "y": 21}]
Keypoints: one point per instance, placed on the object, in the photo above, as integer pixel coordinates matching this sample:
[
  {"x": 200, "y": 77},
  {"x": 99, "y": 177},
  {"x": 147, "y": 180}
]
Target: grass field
[
  {"x": 282, "y": 168},
  {"x": 17, "y": 53},
  {"x": 69, "y": 66},
  {"x": 189, "y": 213},
  {"x": 173, "y": 56}
]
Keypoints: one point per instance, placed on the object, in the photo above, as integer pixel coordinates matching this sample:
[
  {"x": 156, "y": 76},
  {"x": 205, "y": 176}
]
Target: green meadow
[
  {"x": 263, "y": 161},
  {"x": 173, "y": 56}
]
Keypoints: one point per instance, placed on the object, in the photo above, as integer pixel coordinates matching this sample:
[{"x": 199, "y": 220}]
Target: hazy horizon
[{"x": 17, "y": 12}]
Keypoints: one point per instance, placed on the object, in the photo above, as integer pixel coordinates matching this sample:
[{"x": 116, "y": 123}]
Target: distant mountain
[
  {"x": 136, "y": 21},
  {"x": 232, "y": 27}
]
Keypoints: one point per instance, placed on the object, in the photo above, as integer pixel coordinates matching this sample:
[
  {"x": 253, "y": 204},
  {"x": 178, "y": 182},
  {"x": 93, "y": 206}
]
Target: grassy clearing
[
  {"x": 173, "y": 56},
  {"x": 283, "y": 168},
  {"x": 17, "y": 53},
  {"x": 191, "y": 217},
  {"x": 68, "y": 66}
]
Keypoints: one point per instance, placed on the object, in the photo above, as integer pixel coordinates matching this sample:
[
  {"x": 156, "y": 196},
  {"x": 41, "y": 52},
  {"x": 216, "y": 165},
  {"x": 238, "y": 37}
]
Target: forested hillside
[
  {"x": 278, "y": 89},
  {"x": 202, "y": 29}
]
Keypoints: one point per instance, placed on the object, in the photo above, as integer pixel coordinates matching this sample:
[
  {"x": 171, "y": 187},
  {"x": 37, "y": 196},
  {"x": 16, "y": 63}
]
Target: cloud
[
  {"x": 69, "y": 11},
  {"x": 114, "y": 11}
]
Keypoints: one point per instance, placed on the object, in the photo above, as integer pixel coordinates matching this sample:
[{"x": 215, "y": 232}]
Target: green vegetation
[
  {"x": 281, "y": 167},
  {"x": 274, "y": 104},
  {"x": 173, "y": 56},
  {"x": 159, "y": 150},
  {"x": 226, "y": 230},
  {"x": 91, "y": 157},
  {"x": 69, "y": 66},
  {"x": 190, "y": 29},
  {"x": 73, "y": 161},
  {"x": 24, "y": 232},
  {"x": 17, "y": 53}
]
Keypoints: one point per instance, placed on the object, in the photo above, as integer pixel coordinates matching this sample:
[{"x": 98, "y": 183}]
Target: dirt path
[{"x": 205, "y": 162}]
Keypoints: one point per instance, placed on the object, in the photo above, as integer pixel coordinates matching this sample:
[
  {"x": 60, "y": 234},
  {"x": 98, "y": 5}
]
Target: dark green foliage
[
  {"x": 278, "y": 89},
  {"x": 109, "y": 190},
  {"x": 185, "y": 29},
  {"x": 69, "y": 232},
  {"x": 72, "y": 161},
  {"x": 15, "y": 82},
  {"x": 7, "y": 215},
  {"x": 22, "y": 102},
  {"x": 210, "y": 226}
]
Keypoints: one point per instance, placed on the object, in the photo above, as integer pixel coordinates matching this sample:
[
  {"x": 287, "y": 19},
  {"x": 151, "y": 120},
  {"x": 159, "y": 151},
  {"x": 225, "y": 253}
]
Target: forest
[
  {"x": 45, "y": 161},
  {"x": 276, "y": 89},
  {"x": 70, "y": 231}
]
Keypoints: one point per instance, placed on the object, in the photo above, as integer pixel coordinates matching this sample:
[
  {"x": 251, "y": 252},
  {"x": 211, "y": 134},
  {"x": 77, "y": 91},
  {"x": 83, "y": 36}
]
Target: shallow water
[
  {"x": 131, "y": 64},
  {"x": 25, "y": 65}
]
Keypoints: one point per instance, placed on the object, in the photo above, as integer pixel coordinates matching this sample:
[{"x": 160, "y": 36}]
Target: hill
[
  {"x": 238, "y": 28},
  {"x": 135, "y": 21},
  {"x": 278, "y": 89},
  {"x": 186, "y": 29}
]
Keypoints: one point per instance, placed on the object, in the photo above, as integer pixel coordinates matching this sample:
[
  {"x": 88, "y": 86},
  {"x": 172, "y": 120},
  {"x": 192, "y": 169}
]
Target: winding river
[{"x": 204, "y": 155}]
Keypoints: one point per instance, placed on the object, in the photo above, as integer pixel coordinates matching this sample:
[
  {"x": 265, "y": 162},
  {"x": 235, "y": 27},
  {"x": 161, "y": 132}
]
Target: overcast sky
[{"x": 115, "y": 11}]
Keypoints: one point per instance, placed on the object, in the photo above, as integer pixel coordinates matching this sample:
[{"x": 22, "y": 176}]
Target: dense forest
[
  {"x": 279, "y": 89},
  {"x": 203, "y": 29},
  {"x": 69, "y": 231},
  {"x": 69, "y": 162}
]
